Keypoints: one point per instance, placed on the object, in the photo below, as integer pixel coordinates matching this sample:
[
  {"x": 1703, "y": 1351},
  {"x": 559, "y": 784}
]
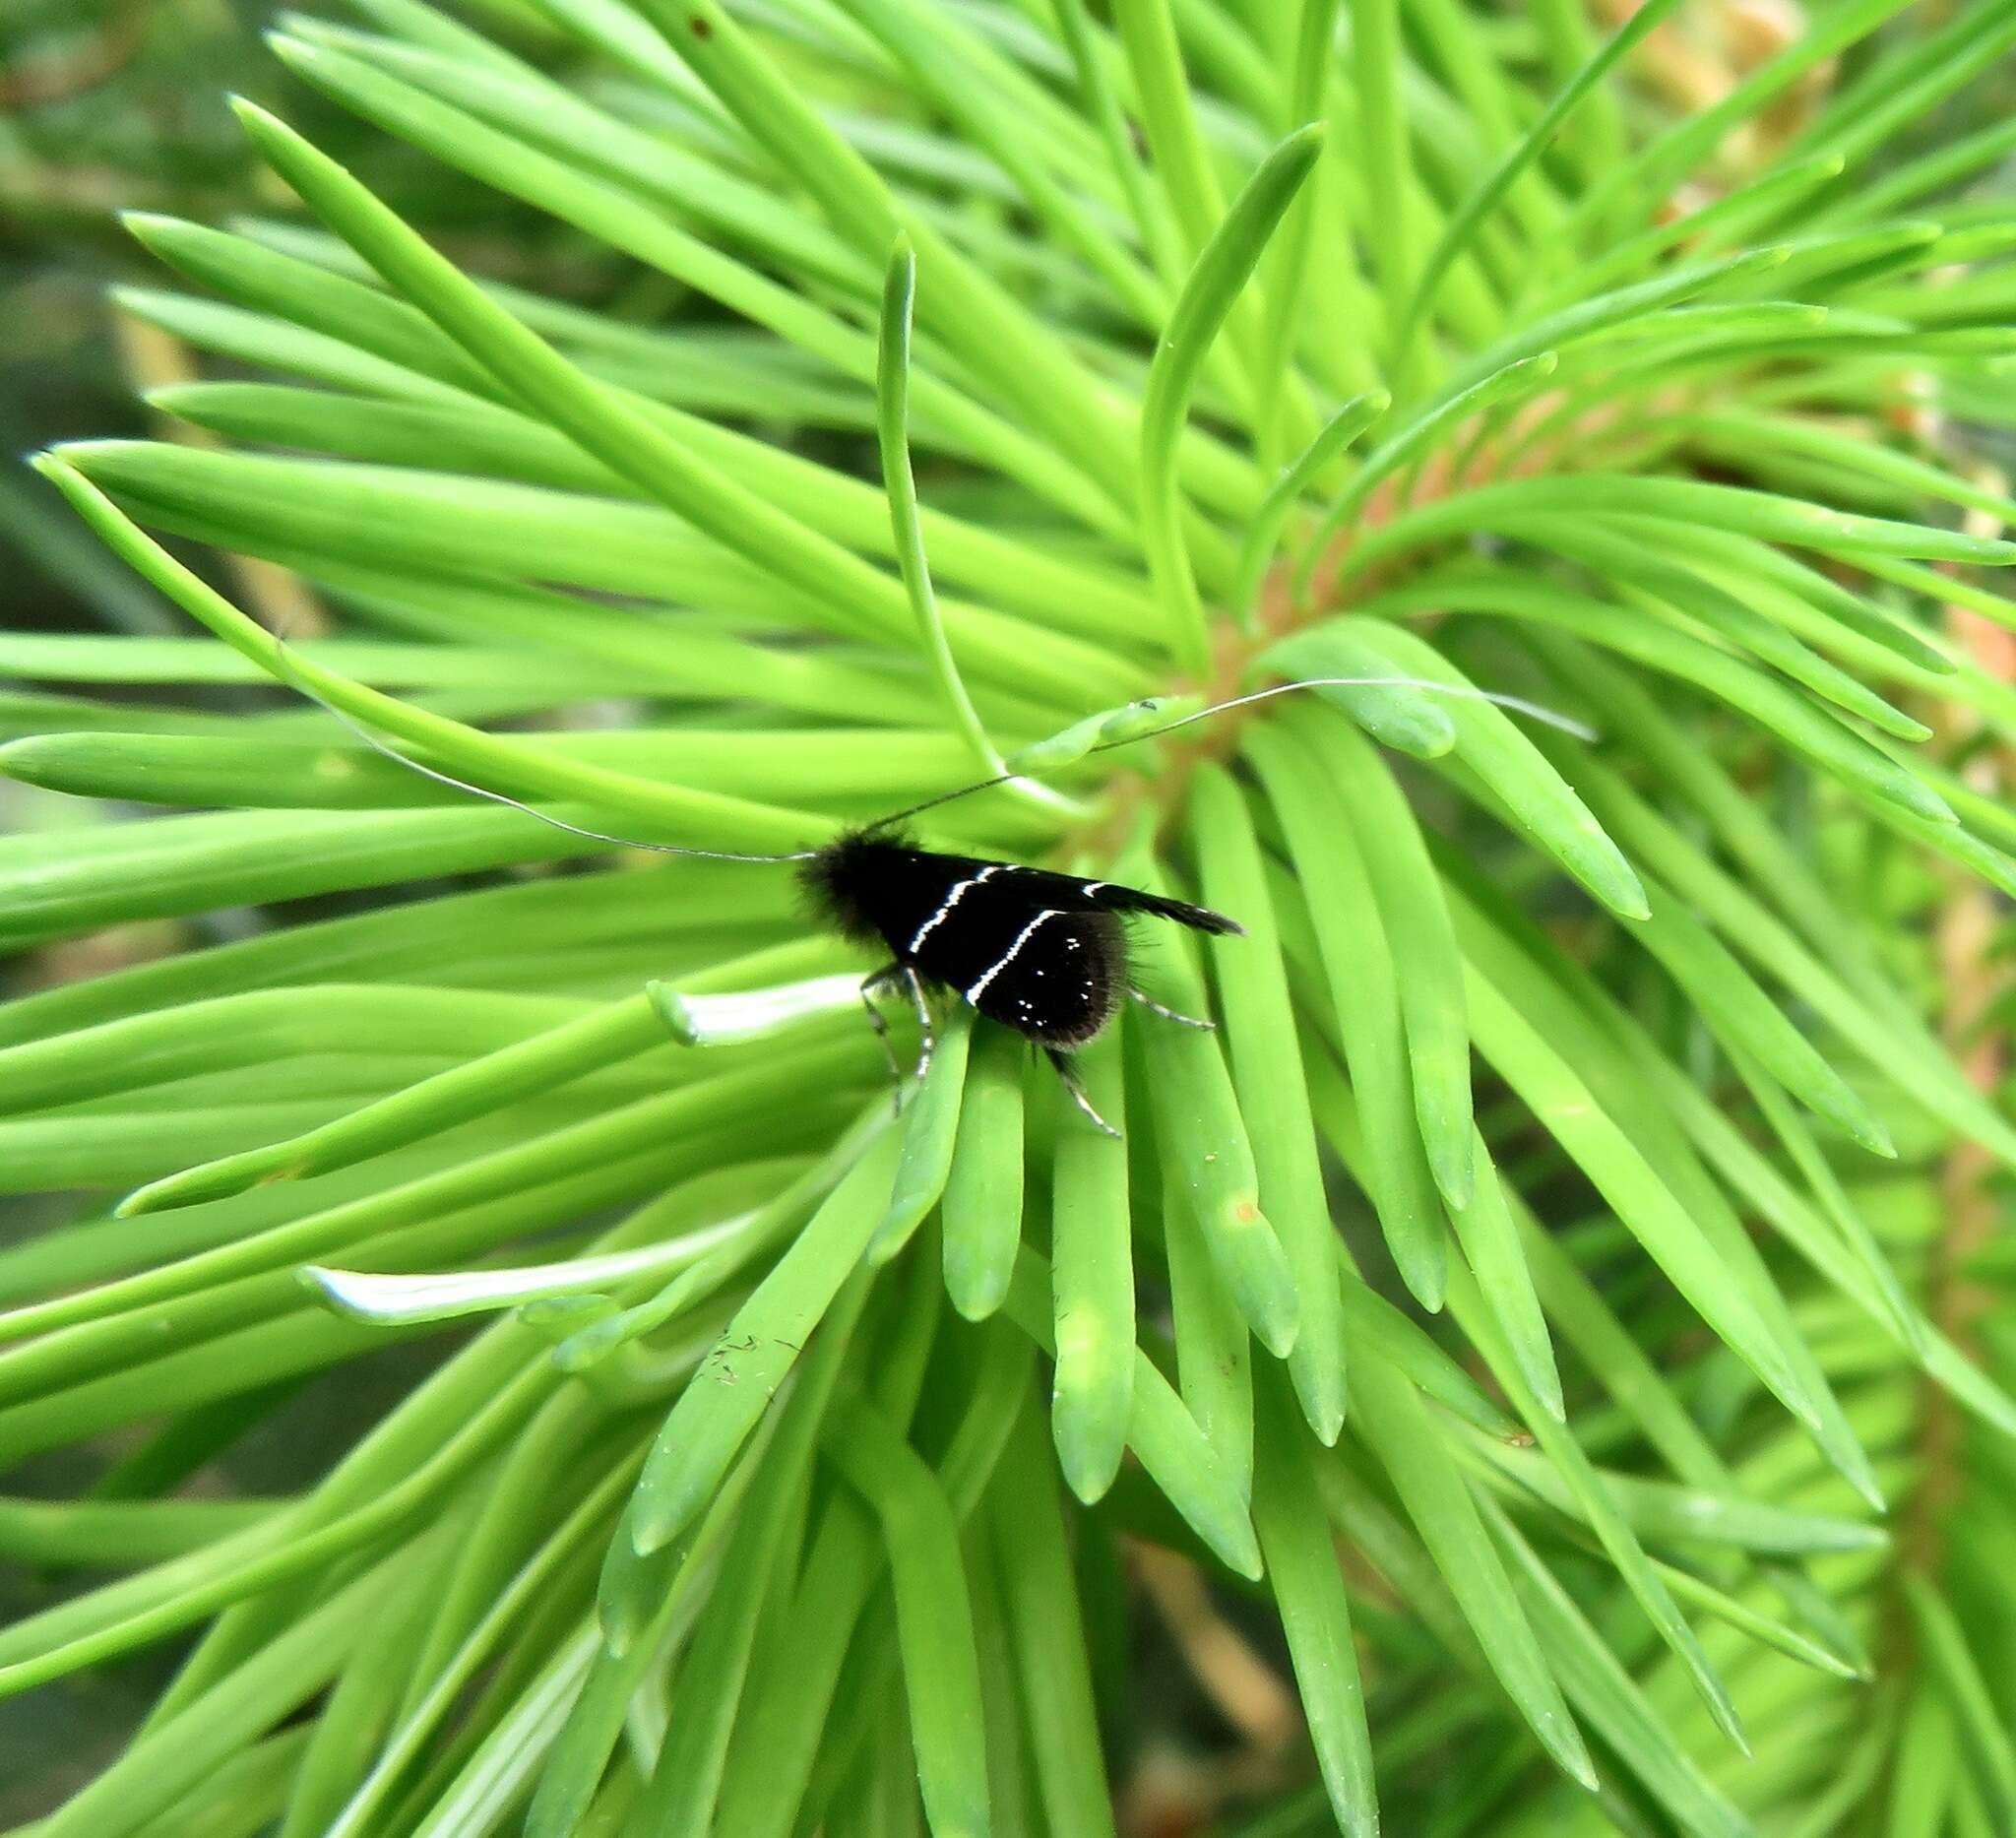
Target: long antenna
[
  {"x": 1467, "y": 692},
  {"x": 1461, "y": 691},
  {"x": 390, "y": 752}
]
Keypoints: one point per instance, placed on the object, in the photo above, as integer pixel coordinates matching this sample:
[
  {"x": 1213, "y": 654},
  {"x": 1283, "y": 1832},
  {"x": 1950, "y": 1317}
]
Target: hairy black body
[{"x": 1042, "y": 953}]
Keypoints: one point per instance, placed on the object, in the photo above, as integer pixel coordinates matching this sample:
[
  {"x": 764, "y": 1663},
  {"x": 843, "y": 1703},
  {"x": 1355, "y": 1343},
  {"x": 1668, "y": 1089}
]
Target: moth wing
[
  {"x": 1112, "y": 897},
  {"x": 1067, "y": 893},
  {"x": 1051, "y": 973},
  {"x": 1073, "y": 895}
]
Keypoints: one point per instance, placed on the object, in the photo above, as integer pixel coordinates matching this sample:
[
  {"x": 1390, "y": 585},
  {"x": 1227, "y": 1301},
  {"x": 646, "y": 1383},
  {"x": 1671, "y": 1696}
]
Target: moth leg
[
  {"x": 928, "y": 1030},
  {"x": 1068, "y": 1073},
  {"x": 870, "y": 988},
  {"x": 1169, "y": 1014}
]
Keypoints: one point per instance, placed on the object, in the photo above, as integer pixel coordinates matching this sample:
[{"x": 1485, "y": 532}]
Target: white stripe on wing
[
  {"x": 951, "y": 900},
  {"x": 1007, "y": 957}
]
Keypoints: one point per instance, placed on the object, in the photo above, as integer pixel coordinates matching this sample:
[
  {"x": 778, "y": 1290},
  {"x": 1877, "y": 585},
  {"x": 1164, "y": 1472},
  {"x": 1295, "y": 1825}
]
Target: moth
[
  {"x": 1042, "y": 953},
  {"x": 1039, "y": 952}
]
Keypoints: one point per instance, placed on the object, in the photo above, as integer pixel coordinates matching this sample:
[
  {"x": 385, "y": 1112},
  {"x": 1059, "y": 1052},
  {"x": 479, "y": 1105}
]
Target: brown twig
[
  {"x": 36, "y": 82},
  {"x": 1972, "y": 978},
  {"x": 1252, "y": 1697}
]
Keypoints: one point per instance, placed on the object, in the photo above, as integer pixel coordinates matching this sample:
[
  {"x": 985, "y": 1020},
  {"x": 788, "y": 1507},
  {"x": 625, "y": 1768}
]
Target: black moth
[
  {"x": 1042, "y": 953},
  {"x": 1039, "y": 952}
]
